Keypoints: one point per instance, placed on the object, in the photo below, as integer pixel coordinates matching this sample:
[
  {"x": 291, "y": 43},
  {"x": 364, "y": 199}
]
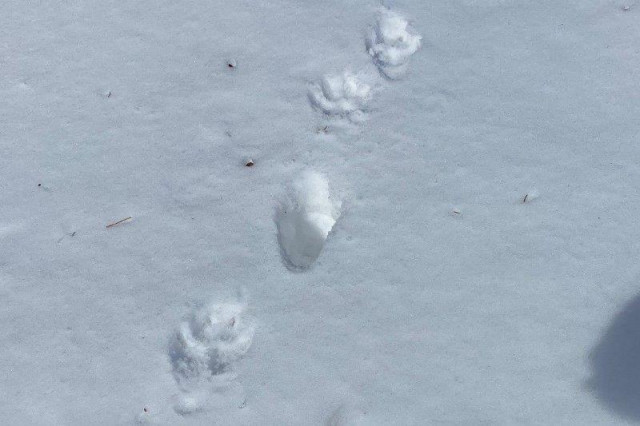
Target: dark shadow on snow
[{"x": 615, "y": 364}]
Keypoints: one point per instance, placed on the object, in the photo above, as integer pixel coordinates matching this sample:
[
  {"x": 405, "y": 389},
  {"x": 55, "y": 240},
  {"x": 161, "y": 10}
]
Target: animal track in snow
[
  {"x": 305, "y": 219},
  {"x": 204, "y": 349},
  {"x": 341, "y": 95},
  {"x": 391, "y": 43}
]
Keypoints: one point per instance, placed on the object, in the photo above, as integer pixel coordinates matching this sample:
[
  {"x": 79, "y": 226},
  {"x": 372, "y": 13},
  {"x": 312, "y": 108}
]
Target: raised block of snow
[{"x": 305, "y": 219}]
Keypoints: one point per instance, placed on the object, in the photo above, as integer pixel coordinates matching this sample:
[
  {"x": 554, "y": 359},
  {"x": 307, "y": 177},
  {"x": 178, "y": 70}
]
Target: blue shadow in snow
[{"x": 615, "y": 364}]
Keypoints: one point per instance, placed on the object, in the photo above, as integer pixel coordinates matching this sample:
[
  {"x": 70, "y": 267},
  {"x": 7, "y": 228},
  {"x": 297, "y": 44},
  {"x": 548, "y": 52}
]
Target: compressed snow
[
  {"x": 391, "y": 43},
  {"x": 204, "y": 349},
  {"x": 342, "y": 95},
  {"x": 305, "y": 219}
]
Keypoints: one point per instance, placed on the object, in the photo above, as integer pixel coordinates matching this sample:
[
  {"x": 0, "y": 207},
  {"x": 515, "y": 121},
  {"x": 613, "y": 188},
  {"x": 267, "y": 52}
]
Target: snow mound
[
  {"x": 305, "y": 219},
  {"x": 391, "y": 43},
  {"x": 205, "y": 347},
  {"x": 341, "y": 95}
]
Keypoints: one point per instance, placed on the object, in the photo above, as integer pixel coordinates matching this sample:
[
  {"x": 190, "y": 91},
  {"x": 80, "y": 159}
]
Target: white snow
[
  {"x": 346, "y": 415},
  {"x": 204, "y": 349},
  {"x": 391, "y": 43},
  {"x": 305, "y": 219},
  {"x": 371, "y": 300},
  {"x": 343, "y": 95}
]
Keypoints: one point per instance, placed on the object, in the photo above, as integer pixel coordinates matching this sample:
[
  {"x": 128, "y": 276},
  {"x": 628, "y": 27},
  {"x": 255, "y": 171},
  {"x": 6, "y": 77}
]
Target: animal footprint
[
  {"x": 391, "y": 43},
  {"x": 305, "y": 219},
  {"x": 341, "y": 95},
  {"x": 204, "y": 349}
]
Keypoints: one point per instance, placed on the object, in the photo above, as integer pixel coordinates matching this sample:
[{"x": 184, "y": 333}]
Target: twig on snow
[{"x": 126, "y": 219}]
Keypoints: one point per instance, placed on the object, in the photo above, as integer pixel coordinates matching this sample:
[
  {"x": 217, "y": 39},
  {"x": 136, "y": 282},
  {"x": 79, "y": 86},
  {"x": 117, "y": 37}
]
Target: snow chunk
[
  {"x": 391, "y": 43},
  {"x": 343, "y": 95},
  {"x": 305, "y": 219}
]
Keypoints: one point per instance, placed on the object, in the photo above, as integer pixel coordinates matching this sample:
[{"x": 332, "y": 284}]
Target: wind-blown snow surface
[{"x": 505, "y": 312}]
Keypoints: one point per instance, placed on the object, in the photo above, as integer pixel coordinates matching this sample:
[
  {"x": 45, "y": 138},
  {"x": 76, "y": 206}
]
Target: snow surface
[{"x": 440, "y": 296}]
